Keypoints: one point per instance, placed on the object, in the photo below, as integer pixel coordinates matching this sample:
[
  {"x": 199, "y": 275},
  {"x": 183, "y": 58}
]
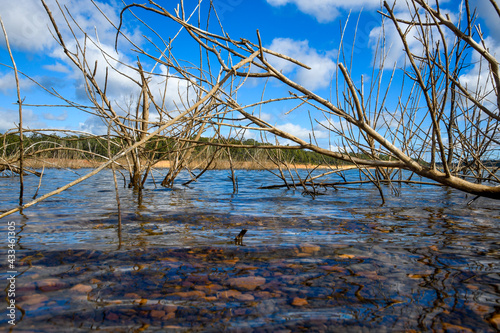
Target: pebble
[
  {"x": 334, "y": 269},
  {"x": 210, "y": 288},
  {"x": 188, "y": 294},
  {"x": 456, "y": 328},
  {"x": 115, "y": 301},
  {"x": 245, "y": 297},
  {"x": 33, "y": 299},
  {"x": 347, "y": 256},
  {"x": 169, "y": 259},
  {"x": 248, "y": 282},
  {"x": 112, "y": 316},
  {"x": 297, "y": 301},
  {"x": 495, "y": 321},
  {"x": 81, "y": 288},
  {"x": 157, "y": 314},
  {"x": 309, "y": 248},
  {"x": 417, "y": 276},
  {"x": 141, "y": 301},
  {"x": 480, "y": 309},
  {"x": 50, "y": 285},
  {"x": 231, "y": 262},
  {"x": 168, "y": 316},
  {"x": 229, "y": 293},
  {"x": 31, "y": 286},
  {"x": 171, "y": 308},
  {"x": 263, "y": 294}
]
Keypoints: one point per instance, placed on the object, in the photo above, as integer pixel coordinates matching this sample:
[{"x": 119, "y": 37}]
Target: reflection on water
[{"x": 424, "y": 261}]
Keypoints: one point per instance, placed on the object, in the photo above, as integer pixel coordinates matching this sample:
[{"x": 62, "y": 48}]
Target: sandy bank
[{"x": 219, "y": 165}]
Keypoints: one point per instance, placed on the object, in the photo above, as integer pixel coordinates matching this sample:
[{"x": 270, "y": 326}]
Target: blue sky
[{"x": 308, "y": 30}]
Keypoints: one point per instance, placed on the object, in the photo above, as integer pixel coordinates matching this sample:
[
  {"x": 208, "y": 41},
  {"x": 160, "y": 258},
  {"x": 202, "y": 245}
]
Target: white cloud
[
  {"x": 267, "y": 117},
  {"x": 94, "y": 125},
  {"x": 27, "y": 22},
  {"x": 301, "y": 132},
  {"x": 51, "y": 116},
  {"x": 9, "y": 119},
  {"x": 322, "y": 64},
  {"x": 118, "y": 84},
  {"x": 327, "y": 10},
  {"x": 29, "y": 30},
  {"x": 8, "y": 83},
  {"x": 478, "y": 79},
  {"x": 26, "y": 25},
  {"x": 385, "y": 41},
  {"x": 57, "y": 67},
  {"x": 486, "y": 11},
  {"x": 329, "y": 124},
  {"x": 337, "y": 149},
  {"x": 178, "y": 91},
  {"x": 392, "y": 48}
]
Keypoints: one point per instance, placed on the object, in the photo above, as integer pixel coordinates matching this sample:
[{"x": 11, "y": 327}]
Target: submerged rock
[
  {"x": 50, "y": 284},
  {"x": 248, "y": 282},
  {"x": 81, "y": 288},
  {"x": 297, "y": 301},
  {"x": 309, "y": 248}
]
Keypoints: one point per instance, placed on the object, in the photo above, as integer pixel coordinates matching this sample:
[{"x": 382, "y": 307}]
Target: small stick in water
[{"x": 239, "y": 239}]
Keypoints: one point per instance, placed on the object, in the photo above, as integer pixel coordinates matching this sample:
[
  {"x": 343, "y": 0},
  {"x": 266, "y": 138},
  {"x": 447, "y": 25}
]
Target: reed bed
[{"x": 68, "y": 163}]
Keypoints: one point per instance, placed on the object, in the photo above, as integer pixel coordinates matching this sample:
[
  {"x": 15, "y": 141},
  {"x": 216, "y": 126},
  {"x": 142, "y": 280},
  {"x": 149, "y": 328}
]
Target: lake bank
[{"x": 62, "y": 163}]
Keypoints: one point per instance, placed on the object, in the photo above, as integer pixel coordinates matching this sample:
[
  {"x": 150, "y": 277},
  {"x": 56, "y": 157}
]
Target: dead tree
[{"x": 440, "y": 129}]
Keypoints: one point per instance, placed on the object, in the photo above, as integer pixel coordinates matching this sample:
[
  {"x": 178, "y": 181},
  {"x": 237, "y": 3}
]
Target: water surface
[{"x": 341, "y": 262}]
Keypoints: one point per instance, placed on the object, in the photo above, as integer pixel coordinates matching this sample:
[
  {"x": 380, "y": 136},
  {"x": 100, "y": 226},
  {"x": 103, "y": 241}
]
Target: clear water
[{"x": 341, "y": 262}]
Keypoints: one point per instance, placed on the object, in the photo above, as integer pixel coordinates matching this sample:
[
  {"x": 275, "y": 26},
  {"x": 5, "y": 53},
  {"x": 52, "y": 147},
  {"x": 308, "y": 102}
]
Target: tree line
[{"x": 56, "y": 146}]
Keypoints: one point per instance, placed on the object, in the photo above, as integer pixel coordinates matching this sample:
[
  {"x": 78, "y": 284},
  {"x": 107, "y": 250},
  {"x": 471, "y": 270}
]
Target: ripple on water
[{"x": 340, "y": 261}]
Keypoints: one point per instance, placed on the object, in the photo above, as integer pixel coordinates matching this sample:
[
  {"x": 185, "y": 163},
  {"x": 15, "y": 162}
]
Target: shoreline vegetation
[
  {"x": 66, "y": 163},
  {"x": 78, "y": 151}
]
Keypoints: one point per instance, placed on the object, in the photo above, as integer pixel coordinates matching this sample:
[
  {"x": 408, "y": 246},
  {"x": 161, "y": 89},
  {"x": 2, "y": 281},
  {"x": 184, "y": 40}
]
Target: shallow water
[{"x": 341, "y": 262}]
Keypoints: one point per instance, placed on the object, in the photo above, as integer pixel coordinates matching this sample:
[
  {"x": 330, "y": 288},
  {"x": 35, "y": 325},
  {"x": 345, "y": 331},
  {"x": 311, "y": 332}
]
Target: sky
[{"x": 307, "y": 30}]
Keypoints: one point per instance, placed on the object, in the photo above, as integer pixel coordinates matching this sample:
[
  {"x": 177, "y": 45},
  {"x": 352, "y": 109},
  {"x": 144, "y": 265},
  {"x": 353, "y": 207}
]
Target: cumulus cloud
[
  {"x": 322, "y": 64},
  {"x": 386, "y": 43},
  {"x": 26, "y": 25},
  {"x": 29, "y": 30},
  {"x": 94, "y": 125},
  {"x": 301, "y": 132},
  {"x": 57, "y": 67},
  {"x": 51, "y": 116},
  {"x": 9, "y": 119},
  {"x": 267, "y": 117},
  {"x": 27, "y": 22},
  {"x": 8, "y": 83},
  {"x": 486, "y": 12},
  {"x": 478, "y": 80},
  {"x": 329, "y": 124},
  {"x": 326, "y": 10}
]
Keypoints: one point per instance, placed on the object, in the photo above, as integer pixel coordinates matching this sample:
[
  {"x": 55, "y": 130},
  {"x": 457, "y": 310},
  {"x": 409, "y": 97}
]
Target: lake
[{"x": 424, "y": 261}]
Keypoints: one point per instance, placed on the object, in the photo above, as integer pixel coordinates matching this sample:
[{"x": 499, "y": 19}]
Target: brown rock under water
[
  {"x": 248, "y": 282},
  {"x": 297, "y": 301},
  {"x": 309, "y": 248},
  {"x": 50, "y": 285},
  {"x": 81, "y": 288}
]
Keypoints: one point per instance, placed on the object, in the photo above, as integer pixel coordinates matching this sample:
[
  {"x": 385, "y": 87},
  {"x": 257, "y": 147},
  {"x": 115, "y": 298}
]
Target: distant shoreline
[{"x": 57, "y": 163}]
